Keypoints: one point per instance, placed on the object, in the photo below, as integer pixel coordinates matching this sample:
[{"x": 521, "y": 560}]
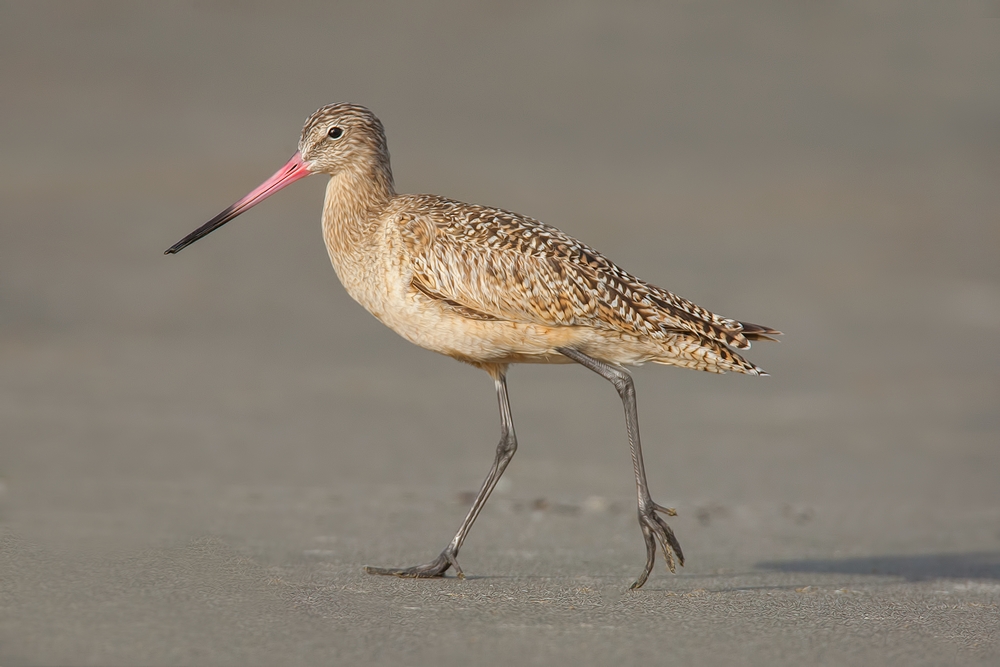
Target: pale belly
[
  {"x": 386, "y": 293},
  {"x": 437, "y": 327}
]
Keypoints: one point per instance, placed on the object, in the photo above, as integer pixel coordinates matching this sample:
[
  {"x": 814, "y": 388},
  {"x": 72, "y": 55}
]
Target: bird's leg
[
  {"x": 654, "y": 529},
  {"x": 505, "y": 452}
]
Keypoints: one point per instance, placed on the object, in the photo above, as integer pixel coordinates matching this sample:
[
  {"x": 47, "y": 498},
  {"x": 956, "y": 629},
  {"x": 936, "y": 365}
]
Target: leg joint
[
  {"x": 617, "y": 376},
  {"x": 623, "y": 383},
  {"x": 507, "y": 445}
]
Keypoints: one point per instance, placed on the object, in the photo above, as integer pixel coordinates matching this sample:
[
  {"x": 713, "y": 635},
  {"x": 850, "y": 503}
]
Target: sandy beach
[{"x": 200, "y": 453}]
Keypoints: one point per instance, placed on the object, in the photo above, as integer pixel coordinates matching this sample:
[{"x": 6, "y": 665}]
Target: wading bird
[{"x": 492, "y": 288}]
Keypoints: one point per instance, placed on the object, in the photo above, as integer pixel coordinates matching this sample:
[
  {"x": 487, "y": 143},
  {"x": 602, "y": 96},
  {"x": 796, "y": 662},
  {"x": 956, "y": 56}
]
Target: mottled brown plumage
[
  {"x": 496, "y": 265},
  {"x": 491, "y": 287}
]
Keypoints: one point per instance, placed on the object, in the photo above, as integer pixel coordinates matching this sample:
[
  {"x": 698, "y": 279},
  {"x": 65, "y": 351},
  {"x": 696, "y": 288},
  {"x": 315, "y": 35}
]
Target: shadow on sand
[{"x": 975, "y": 565}]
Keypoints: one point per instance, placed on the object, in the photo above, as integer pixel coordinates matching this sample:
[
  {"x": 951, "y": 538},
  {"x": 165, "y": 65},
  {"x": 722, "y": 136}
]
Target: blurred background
[{"x": 831, "y": 171}]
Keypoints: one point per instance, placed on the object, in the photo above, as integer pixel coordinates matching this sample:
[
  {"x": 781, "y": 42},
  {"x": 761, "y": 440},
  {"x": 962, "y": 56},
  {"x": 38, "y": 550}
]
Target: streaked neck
[{"x": 355, "y": 198}]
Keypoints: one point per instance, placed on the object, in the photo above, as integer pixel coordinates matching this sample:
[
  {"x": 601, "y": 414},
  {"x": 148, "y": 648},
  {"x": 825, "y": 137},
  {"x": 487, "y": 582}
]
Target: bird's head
[
  {"x": 335, "y": 139},
  {"x": 342, "y": 136}
]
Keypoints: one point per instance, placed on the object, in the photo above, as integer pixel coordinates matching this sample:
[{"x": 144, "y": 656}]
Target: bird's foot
[
  {"x": 655, "y": 530},
  {"x": 435, "y": 568}
]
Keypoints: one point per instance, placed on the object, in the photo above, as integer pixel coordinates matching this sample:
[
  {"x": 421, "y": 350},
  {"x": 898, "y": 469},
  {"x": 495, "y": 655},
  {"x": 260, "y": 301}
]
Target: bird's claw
[
  {"x": 669, "y": 511},
  {"x": 655, "y": 530},
  {"x": 435, "y": 568}
]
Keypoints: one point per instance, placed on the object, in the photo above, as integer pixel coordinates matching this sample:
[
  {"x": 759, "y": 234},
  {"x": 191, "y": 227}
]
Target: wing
[{"x": 494, "y": 264}]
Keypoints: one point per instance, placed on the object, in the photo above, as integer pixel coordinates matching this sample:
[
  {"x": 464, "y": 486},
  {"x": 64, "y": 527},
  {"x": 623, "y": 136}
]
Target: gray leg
[
  {"x": 654, "y": 529},
  {"x": 505, "y": 452}
]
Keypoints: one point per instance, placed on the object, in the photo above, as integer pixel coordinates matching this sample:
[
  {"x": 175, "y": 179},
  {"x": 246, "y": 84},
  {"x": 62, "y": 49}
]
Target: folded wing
[{"x": 494, "y": 264}]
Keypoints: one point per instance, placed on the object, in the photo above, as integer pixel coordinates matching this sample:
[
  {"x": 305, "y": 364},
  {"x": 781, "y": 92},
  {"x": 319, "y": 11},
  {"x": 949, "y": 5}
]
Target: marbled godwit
[{"x": 491, "y": 288}]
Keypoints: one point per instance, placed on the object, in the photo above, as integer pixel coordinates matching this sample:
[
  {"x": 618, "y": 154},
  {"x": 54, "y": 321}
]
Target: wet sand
[{"x": 200, "y": 453}]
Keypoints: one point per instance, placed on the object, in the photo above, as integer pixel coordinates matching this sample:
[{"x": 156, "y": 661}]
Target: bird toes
[
  {"x": 435, "y": 568},
  {"x": 657, "y": 533}
]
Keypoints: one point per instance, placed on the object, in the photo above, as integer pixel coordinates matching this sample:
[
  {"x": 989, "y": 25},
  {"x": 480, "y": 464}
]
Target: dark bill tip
[{"x": 205, "y": 229}]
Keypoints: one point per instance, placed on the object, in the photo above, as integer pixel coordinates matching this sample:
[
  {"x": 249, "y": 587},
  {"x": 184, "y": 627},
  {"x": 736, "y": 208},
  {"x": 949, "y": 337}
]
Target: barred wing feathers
[{"x": 499, "y": 265}]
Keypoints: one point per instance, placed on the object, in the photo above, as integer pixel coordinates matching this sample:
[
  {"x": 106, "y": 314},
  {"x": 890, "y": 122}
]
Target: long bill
[{"x": 291, "y": 172}]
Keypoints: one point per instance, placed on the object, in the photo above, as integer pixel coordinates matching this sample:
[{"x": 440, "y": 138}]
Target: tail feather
[{"x": 705, "y": 354}]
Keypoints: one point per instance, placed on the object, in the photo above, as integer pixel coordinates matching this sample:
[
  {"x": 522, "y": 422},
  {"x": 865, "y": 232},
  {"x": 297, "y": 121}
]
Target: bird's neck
[{"x": 355, "y": 198}]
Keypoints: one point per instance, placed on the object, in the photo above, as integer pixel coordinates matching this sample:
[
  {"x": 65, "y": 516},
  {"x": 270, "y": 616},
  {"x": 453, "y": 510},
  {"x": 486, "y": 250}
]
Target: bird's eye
[{"x": 335, "y": 133}]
